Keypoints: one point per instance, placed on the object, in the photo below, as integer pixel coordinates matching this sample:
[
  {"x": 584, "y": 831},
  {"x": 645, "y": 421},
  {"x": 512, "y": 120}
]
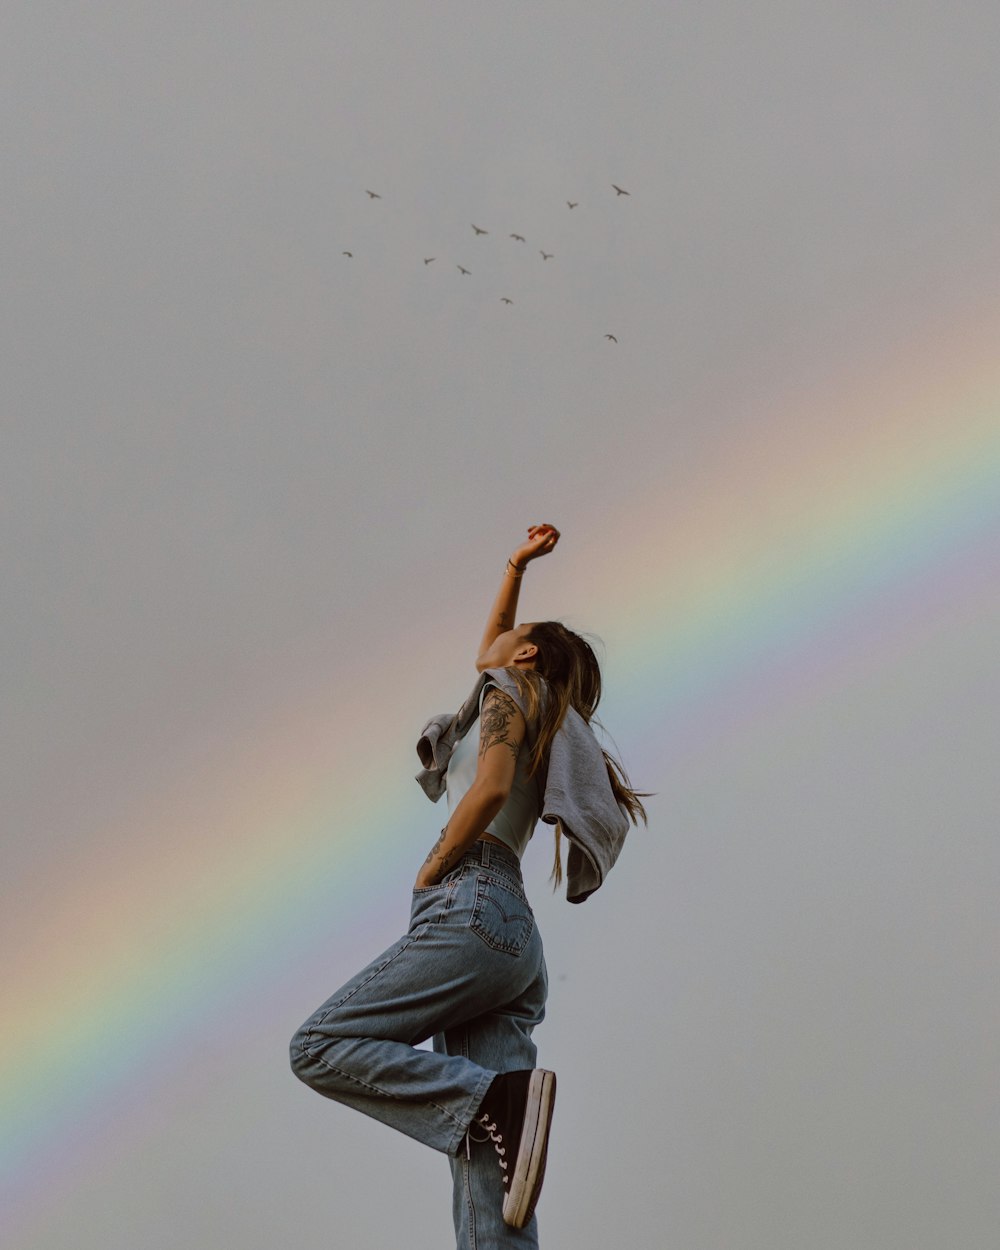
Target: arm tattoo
[
  {"x": 498, "y": 711},
  {"x": 444, "y": 859},
  {"x": 430, "y": 853}
]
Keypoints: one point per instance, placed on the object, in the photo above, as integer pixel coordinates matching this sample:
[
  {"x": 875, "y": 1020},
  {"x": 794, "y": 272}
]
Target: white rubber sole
[{"x": 529, "y": 1169}]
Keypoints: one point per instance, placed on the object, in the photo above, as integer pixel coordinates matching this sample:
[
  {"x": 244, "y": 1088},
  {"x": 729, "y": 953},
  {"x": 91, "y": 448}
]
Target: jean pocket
[
  {"x": 450, "y": 878},
  {"x": 430, "y": 904},
  {"x": 501, "y": 916}
]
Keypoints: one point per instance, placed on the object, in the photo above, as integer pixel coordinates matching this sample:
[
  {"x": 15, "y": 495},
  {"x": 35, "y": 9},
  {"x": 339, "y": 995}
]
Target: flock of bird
[{"x": 518, "y": 238}]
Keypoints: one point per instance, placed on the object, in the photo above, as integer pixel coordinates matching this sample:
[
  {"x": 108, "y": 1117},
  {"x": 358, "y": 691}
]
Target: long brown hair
[{"x": 569, "y": 666}]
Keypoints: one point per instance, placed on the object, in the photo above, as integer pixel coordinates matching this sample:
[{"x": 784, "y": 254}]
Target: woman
[{"x": 470, "y": 971}]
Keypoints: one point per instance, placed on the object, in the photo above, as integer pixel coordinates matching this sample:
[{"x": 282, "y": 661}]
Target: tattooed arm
[{"x": 501, "y": 732}]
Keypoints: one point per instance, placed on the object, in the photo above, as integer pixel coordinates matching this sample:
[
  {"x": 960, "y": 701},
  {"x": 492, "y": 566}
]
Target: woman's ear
[{"x": 527, "y": 651}]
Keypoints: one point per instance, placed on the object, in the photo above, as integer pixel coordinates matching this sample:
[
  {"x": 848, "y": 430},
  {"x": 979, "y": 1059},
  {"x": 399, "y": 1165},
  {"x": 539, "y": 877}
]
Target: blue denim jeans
[{"x": 470, "y": 973}]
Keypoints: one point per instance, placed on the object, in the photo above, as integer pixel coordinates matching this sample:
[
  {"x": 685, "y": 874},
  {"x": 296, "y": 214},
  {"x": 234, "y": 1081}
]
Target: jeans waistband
[{"x": 491, "y": 854}]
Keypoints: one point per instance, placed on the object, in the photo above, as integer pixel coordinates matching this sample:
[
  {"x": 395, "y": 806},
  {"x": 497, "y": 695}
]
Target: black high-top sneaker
[{"x": 515, "y": 1115}]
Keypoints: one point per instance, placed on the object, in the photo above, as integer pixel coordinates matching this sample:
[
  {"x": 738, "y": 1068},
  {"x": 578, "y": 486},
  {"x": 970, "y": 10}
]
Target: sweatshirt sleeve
[{"x": 434, "y": 748}]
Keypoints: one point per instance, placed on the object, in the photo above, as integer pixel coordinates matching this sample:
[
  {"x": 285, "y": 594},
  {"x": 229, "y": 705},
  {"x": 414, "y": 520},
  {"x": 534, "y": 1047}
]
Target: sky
[{"x": 256, "y": 498}]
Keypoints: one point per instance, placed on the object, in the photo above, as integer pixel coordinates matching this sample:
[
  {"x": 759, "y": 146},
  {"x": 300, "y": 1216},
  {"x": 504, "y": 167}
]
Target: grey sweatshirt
[{"x": 578, "y": 795}]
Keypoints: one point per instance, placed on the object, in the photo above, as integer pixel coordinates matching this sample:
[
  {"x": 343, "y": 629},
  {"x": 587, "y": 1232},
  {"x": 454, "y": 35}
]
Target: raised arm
[{"x": 541, "y": 540}]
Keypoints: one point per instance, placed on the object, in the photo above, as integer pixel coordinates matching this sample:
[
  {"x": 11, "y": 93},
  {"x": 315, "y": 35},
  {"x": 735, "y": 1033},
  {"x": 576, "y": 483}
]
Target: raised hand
[{"x": 541, "y": 540}]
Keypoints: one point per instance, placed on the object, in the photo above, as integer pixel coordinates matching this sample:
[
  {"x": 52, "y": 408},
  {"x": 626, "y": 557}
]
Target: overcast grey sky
[{"x": 243, "y": 472}]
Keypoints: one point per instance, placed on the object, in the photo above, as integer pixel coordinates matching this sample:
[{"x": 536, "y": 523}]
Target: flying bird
[
  {"x": 478, "y": 229},
  {"x": 347, "y": 253},
  {"x": 519, "y": 237},
  {"x": 611, "y": 337},
  {"x": 428, "y": 259},
  {"x": 546, "y": 255},
  {"x": 572, "y": 203},
  {"x": 373, "y": 195},
  {"x": 621, "y": 190},
  {"x": 463, "y": 270},
  {"x": 505, "y": 300}
]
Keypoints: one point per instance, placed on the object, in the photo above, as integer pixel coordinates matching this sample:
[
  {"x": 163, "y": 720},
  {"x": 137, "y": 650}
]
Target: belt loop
[{"x": 486, "y": 853}]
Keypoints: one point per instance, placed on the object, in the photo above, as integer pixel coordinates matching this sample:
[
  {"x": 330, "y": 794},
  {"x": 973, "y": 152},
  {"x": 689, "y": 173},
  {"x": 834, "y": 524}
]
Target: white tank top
[{"x": 515, "y": 822}]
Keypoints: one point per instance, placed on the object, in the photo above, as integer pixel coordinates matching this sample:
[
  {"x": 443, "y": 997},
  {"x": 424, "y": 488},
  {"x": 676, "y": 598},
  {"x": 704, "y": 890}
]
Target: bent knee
[{"x": 299, "y": 1058}]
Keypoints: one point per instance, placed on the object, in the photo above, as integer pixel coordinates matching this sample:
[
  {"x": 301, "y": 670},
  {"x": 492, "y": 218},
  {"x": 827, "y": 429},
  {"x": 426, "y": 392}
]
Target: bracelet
[{"x": 517, "y": 572}]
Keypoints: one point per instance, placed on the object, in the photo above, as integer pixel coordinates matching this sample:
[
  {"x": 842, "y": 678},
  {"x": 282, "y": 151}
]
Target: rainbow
[
  {"x": 891, "y": 516},
  {"x": 745, "y": 587}
]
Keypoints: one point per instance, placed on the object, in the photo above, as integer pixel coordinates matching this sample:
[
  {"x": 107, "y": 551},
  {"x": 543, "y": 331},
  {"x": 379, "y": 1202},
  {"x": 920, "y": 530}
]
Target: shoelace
[{"x": 495, "y": 1136}]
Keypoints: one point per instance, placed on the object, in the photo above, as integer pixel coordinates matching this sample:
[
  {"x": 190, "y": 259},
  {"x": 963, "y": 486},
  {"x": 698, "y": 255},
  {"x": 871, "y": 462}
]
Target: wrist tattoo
[
  {"x": 441, "y": 859},
  {"x": 430, "y": 853}
]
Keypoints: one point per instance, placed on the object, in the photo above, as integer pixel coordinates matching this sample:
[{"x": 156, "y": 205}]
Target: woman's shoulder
[{"x": 528, "y": 689}]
